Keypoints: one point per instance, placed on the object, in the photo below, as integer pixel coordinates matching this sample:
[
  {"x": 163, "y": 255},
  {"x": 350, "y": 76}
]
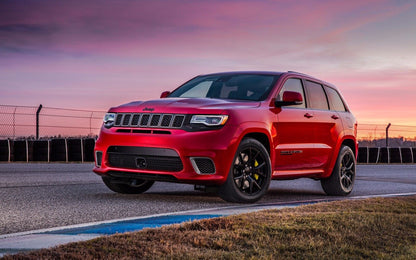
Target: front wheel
[
  {"x": 132, "y": 187},
  {"x": 249, "y": 175},
  {"x": 341, "y": 181}
]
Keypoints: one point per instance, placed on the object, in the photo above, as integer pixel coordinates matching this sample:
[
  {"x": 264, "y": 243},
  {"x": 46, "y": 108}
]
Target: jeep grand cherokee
[{"x": 233, "y": 131}]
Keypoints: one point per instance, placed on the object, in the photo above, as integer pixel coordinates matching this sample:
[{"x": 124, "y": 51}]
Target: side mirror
[
  {"x": 164, "y": 94},
  {"x": 290, "y": 98}
]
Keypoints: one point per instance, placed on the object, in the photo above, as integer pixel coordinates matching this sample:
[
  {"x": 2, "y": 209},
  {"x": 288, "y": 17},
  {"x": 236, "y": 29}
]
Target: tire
[
  {"x": 341, "y": 181},
  {"x": 135, "y": 186},
  {"x": 250, "y": 173}
]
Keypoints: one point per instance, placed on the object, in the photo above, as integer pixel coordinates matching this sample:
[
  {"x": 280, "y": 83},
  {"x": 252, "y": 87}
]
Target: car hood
[{"x": 183, "y": 105}]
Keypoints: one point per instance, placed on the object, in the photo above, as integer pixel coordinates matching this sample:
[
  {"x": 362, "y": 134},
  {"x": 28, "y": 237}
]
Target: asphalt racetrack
[{"x": 45, "y": 195}]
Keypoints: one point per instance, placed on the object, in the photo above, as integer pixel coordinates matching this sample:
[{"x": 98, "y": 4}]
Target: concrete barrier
[
  {"x": 88, "y": 149},
  {"x": 54, "y": 150},
  {"x": 414, "y": 154},
  {"x": 373, "y": 154},
  {"x": 21, "y": 151},
  {"x": 407, "y": 156},
  {"x": 384, "y": 156},
  {"x": 5, "y": 151},
  {"x": 41, "y": 151},
  {"x": 362, "y": 155},
  {"x": 395, "y": 155},
  {"x": 59, "y": 150},
  {"x": 82, "y": 150},
  {"x": 75, "y": 151}
]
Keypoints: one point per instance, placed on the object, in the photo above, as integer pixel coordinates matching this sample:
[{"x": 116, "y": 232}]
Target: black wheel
[
  {"x": 341, "y": 181},
  {"x": 131, "y": 187},
  {"x": 249, "y": 175}
]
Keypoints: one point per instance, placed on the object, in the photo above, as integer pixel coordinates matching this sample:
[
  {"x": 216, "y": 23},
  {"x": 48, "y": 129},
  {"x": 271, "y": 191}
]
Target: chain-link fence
[
  {"x": 22, "y": 122},
  {"x": 19, "y": 122},
  {"x": 378, "y": 135}
]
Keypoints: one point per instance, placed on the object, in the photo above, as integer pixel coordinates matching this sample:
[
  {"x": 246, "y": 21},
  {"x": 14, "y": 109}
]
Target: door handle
[
  {"x": 334, "y": 117},
  {"x": 308, "y": 115}
]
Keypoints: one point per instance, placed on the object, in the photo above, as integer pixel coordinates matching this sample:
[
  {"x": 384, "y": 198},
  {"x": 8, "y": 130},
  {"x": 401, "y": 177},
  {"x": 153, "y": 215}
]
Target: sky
[{"x": 101, "y": 53}]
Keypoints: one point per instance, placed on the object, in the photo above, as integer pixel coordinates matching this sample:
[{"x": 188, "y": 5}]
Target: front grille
[
  {"x": 144, "y": 158},
  {"x": 149, "y": 120}
]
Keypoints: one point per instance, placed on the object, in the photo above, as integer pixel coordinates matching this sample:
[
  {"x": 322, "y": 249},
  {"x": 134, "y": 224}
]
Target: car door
[
  {"x": 294, "y": 133},
  {"x": 325, "y": 124}
]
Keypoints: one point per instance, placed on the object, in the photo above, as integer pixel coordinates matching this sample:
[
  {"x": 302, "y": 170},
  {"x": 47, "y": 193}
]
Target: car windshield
[{"x": 253, "y": 87}]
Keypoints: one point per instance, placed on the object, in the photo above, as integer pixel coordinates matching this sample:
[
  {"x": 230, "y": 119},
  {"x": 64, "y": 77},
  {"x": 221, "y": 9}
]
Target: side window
[
  {"x": 335, "y": 101},
  {"x": 317, "y": 97},
  {"x": 292, "y": 85}
]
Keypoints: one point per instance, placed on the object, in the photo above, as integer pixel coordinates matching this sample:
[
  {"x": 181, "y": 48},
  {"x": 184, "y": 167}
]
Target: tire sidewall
[
  {"x": 333, "y": 185},
  {"x": 229, "y": 191}
]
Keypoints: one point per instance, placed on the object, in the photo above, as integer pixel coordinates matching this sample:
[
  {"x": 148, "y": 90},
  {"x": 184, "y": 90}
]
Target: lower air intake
[{"x": 203, "y": 165}]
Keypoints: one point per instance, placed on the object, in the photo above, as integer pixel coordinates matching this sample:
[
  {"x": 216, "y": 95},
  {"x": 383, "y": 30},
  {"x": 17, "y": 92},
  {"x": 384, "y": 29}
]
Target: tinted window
[
  {"x": 335, "y": 101},
  {"x": 317, "y": 97},
  {"x": 228, "y": 86},
  {"x": 292, "y": 85},
  {"x": 200, "y": 90}
]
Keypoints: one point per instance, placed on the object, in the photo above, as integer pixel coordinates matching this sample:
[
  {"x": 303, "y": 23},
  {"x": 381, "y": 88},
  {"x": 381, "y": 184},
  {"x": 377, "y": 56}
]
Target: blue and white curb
[{"x": 46, "y": 238}]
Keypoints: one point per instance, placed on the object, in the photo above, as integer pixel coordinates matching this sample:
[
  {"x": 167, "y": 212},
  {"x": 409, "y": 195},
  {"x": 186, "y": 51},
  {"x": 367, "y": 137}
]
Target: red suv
[{"x": 234, "y": 132}]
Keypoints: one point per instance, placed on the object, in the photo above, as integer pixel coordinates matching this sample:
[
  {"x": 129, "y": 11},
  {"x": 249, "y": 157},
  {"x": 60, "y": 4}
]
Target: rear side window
[
  {"x": 317, "y": 97},
  {"x": 292, "y": 85},
  {"x": 335, "y": 101}
]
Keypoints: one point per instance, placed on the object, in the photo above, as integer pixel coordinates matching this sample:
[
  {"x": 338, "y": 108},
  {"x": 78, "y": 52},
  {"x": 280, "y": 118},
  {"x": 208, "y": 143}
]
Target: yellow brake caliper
[{"x": 256, "y": 176}]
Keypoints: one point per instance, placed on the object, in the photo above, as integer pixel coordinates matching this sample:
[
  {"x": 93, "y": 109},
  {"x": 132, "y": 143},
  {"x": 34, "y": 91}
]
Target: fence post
[
  {"x": 387, "y": 134},
  {"x": 49, "y": 151},
  {"x": 10, "y": 150},
  {"x": 37, "y": 121},
  {"x": 82, "y": 151},
  {"x": 14, "y": 123},
  {"x": 92, "y": 113},
  {"x": 66, "y": 150}
]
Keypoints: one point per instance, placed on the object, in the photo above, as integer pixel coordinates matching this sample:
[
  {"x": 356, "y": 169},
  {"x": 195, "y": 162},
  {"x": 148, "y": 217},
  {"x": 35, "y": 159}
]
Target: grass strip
[{"x": 381, "y": 228}]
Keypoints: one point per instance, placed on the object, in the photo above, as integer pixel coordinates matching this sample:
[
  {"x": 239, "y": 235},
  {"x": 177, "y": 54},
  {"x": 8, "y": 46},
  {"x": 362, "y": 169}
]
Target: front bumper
[{"x": 172, "y": 155}]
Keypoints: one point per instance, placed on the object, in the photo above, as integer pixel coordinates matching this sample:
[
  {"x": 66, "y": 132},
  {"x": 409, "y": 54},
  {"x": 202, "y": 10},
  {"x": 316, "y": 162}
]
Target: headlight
[
  {"x": 109, "y": 119},
  {"x": 209, "y": 120}
]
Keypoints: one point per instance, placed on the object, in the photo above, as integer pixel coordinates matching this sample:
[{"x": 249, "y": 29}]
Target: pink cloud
[{"x": 75, "y": 53}]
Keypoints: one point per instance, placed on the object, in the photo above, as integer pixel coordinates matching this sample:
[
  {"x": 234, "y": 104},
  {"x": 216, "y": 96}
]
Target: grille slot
[
  {"x": 166, "y": 120},
  {"x": 155, "y": 120},
  {"x": 135, "y": 120},
  {"x": 126, "y": 119},
  {"x": 118, "y": 119},
  {"x": 145, "y": 120},
  {"x": 178, "y": 121},
  {"x": 149, "y": 120}
]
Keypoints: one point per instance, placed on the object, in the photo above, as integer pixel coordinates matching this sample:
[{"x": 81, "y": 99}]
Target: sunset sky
[{"x": 101, "y": 53}]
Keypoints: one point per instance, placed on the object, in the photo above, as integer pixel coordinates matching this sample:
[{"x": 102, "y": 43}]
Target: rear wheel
[
  {"x": 250, "y": 173},
  {"x": 132, "y": 187},
  {"x": 341, "y": 181}
]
